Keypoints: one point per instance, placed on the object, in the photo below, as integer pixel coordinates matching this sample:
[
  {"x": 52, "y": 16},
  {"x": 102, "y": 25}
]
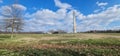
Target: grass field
[{"x": 82, "y": 44}]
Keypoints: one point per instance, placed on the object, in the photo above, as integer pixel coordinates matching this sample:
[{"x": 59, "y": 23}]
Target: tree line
[{"x": 103, "y": 31}]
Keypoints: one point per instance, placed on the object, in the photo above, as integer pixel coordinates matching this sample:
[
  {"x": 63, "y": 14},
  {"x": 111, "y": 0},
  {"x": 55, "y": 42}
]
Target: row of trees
[
  {"x": 103, "y": 31},
  {"x": 12, "y": 19}
]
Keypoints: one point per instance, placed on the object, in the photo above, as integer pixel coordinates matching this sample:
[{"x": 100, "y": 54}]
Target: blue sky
[
  {"x": 81, "y": 5},
  {"x": 45, "y": 15}
]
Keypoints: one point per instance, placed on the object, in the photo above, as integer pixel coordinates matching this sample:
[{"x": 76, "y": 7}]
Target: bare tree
[{"x": 13, "y": 18}]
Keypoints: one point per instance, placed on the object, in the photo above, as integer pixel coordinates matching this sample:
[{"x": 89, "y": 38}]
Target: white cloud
[
  {"x": 101, "y": 3},
  {"x": 101, "y": 20},
  {"x": 44, "y": 18},
  {"x": 19, "y": 6},
  {"x": 116, "y": 28},
  {"x": 62, "y": 5},
  {"x": 96, "y": 11},
  {"x": 7, "y": 10}
]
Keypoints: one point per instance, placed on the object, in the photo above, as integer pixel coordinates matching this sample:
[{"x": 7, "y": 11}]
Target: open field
[{"x": 83, "y": 44}]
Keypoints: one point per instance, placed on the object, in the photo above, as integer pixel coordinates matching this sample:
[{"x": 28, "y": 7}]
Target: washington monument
[{"x": 74, "y": 22}]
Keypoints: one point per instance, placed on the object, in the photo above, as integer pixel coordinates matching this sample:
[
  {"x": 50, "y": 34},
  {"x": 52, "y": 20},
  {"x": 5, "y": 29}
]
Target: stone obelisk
[{"x": 74, "y": 22}]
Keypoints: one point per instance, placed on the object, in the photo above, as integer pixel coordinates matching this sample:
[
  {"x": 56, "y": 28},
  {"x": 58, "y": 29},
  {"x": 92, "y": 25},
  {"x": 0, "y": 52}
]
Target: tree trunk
[{"x": 12, "y": 35}]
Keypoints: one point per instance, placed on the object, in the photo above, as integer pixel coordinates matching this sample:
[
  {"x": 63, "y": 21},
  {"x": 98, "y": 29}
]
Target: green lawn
[{"x": 82, "y": 44}]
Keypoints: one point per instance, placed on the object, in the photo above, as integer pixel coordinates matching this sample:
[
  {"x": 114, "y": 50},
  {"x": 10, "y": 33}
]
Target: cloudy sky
[{"x": 45, "y": 15}]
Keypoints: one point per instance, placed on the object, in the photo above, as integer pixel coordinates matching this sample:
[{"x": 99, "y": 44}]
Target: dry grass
[{"x": 83, "y": 41}]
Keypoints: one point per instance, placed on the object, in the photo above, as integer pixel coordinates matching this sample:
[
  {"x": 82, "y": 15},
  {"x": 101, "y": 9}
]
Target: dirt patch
[
  {"x": 49, "y": 38},
  {"x": 97, "y": 36},
  {"x": 27, "y": 39}
]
